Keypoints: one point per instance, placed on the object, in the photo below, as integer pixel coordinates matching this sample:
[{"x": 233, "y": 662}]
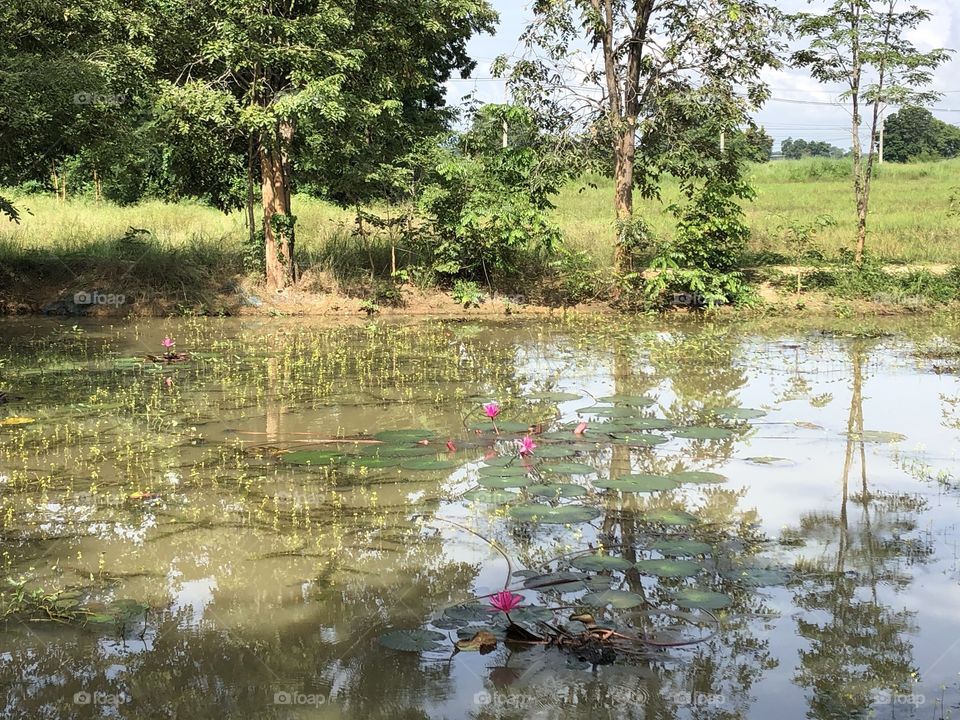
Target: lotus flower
[
  {"x": 580, "y": 429},
  {"x": 450, "y": 446},
  {"x": 505, "y": 601},
  {"x": 492, "y": 410},
  {"x": 167, "y": 343},
  {"x": 527, "y": 445}
]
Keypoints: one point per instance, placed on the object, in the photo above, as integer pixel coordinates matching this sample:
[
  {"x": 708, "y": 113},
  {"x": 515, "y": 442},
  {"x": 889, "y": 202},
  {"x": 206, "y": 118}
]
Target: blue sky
[{"x": 788, "y": 115}]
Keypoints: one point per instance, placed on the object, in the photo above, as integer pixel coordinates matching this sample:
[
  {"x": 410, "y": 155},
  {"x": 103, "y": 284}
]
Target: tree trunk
[
  {"x": 625, "y": 151},
  {"x": 278, "y": 221}
]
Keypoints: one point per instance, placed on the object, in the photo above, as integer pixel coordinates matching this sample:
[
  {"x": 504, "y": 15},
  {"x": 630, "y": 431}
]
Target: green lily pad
[
  {"x": 620, "y": 599},
  {"x": 412, "y": 640},
  {"x": 675, "y": 548},
  {"x": 557, "y": 490},
  {"x": 599, "y": 563},
  {"x": 531, "y": 613},
  {"x": 562, "y": 515},
  {"x": 504, "y": 426},
  {"x": 568, "y": 469},
  {"x": 669, "y": 568},
  {"x": 669, "y": 517},
  {"x": 373, "y": 462},
  {"x": 703, "y": 599},
  {"x": 552, "y": 396},
  {"x": 648, "y": 423},
  {"x": 397, "y": 451},
  {"x": 766, "y": 460},
  {"x": 312, "y": 457},
  {"x": 639, "y": 439},
  {"x": 699, "y": 477},
  {"x": 740, "y": 413},
  {"x": 508, "y": 481},
  {"x": 877, "y": 436},
  {"x": 550, "y": 581},
  {"x": 405, "y": 436},
  {"x": 502, "y": 461},
  {"x": 632, "y": 400},
  {"x": 703, "y": 432},
  {"x": 515, "y": 470},
  {"x": 617, "y": 411},
  {"x": 470, "y": 612},
  {"x": 637, "y": 483},
  {"x": 758, "y": 576},
  {"x": 491, "y": 496},
  {"x": 430, "y": 464}
]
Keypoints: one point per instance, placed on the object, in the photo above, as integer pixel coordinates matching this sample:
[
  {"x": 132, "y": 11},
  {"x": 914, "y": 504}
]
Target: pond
[{"x": 280, "y": 518}]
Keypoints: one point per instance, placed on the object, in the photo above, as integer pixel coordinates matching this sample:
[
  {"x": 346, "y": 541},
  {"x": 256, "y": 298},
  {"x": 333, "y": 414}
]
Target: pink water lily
[
  {"x": 505, "y": 601},
  {"x": 527, "y": 445},
  {"x": 167, "y": 342},
  {"x": 580, "y": 429},
  {"x": 492, "y": 410}
]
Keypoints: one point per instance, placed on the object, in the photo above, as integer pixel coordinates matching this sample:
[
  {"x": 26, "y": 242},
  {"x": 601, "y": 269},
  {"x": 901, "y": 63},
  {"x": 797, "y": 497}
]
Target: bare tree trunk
[
  {"x": 625, "y": 154},
  {"x": 278, "y": 221}
]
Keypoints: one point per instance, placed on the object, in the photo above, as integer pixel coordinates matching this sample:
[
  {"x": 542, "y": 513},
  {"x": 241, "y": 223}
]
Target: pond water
[{"x": 295, "y": 519}]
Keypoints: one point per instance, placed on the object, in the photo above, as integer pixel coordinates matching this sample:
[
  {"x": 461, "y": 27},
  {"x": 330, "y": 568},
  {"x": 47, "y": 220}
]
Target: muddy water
[{"x": 185, "y": 540}]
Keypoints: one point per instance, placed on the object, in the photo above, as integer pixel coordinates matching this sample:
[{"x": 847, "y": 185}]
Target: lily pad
[
  {"x": 599, "y": 563},
  {"x": 699, "y": 477},
  {"x": 403, "y": 436},
  {"x": 313, "y": 457},
  {"x": 740, "y": 413},
  {"x": 397, "y": 451},
  {"x": 557, "y": 490},
  {"x": 568, "y": 469},
  {"x": 504, "y": 426},
  {"x": 491, "y": 496},
  {"x": 554, "y": 451},
  {"x": 430, "y": 464},
  {"x": 515, "y": 470},
  {"x": 616, "y": 411},
  {"x": 766, "y": 460},
  {"x": 632, "y": 400},
  {"x": 677, "y": 548},
  {"x": 640, "y": 439},
  {"x": 703, "y": 599},
  {"x": 551, "y": 581},
  {"x": 509, "y": 481},
  {"x": 562, "y": 515},
  {"x": 412, "y": 640},
  {"x": 503, "y": 461},
  {"x": 637, "y": 483},
  {"x": 877, "y": 436},
  {"x": 669, "y": 517},
  {"x": 669, "y": 568},
  {"x": 758, "y": 576},
  {"x": 471, "y": 612},
  {"x": 552, "y": 396},
  {"x": 620, "y": 599},
  {"x": 648, "y": 423},
  {"x": 703, "y": 432}
]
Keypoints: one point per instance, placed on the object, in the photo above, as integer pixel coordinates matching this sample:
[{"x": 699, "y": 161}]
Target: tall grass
[{"x": 908, "y": 209}]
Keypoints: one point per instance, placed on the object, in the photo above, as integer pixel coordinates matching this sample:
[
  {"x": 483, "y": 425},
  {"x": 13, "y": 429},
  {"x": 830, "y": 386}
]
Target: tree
[
  {"x": 863, "y": 44},
  {"x": 914, "y": 132},
  {"x": 799, "y": 148},
  {"x": 643, "y": 56}
]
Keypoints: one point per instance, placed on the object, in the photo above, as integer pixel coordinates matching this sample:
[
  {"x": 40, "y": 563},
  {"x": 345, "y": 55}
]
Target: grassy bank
[{"x": 187, "y": 254}]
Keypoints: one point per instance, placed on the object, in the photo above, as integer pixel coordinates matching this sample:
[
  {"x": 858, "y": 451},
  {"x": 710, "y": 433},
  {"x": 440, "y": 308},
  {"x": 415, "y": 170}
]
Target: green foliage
[
  {"x": 484, "y": 203},
  {"x": 800, "y": 236},
  {"x": 711, "y": 231},
  {"x": 954, "y": 203},
  {"x": 580, "y": 280},
  {"x": 913, "y": 133},
  {"x": 799, "y": 148},
  {"x": 872, "y": 282},
  {"x": 467, "y": 293}
]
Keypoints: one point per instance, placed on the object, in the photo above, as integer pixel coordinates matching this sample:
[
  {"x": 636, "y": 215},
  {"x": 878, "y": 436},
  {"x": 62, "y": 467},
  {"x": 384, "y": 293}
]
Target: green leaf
[
  {"x": 699, "y": 477},
  {"x": 620, "y": 599},
  {"x": 703, "y": 599},
  {"x": 669, "y": 568},
  {"x": 547, "y": 514},
  {"x": 412, "y": 640},
  {"x": 637, "y": 483}
]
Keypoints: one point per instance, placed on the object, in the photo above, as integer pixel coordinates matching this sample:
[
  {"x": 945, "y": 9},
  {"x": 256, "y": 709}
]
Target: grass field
[{"x": 86, "y": 242}]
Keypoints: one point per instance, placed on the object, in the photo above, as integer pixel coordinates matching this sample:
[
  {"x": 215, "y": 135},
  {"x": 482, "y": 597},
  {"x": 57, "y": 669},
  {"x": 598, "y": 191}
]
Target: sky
[{"x": 791, "y": 112}]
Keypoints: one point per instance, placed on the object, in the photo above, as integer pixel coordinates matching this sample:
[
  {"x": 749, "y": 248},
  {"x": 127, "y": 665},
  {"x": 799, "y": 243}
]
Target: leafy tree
[
  {"x": 914, "y": 132},
  {"x": 485, "y": 194},
  {"x": 653, "y": 53},
  {"x": 863, "y": 44},
  {"x": 799, "y": 148}
]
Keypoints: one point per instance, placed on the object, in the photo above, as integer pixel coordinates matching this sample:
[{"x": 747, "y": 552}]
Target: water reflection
[{"x": 267, "y": 585}]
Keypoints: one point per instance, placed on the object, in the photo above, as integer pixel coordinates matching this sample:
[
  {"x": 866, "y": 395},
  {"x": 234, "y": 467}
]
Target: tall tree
[
  {"x": 863, "y": 45},
  {"x": 617, "y": 66},
  {"x": 913, "y": 132}
]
